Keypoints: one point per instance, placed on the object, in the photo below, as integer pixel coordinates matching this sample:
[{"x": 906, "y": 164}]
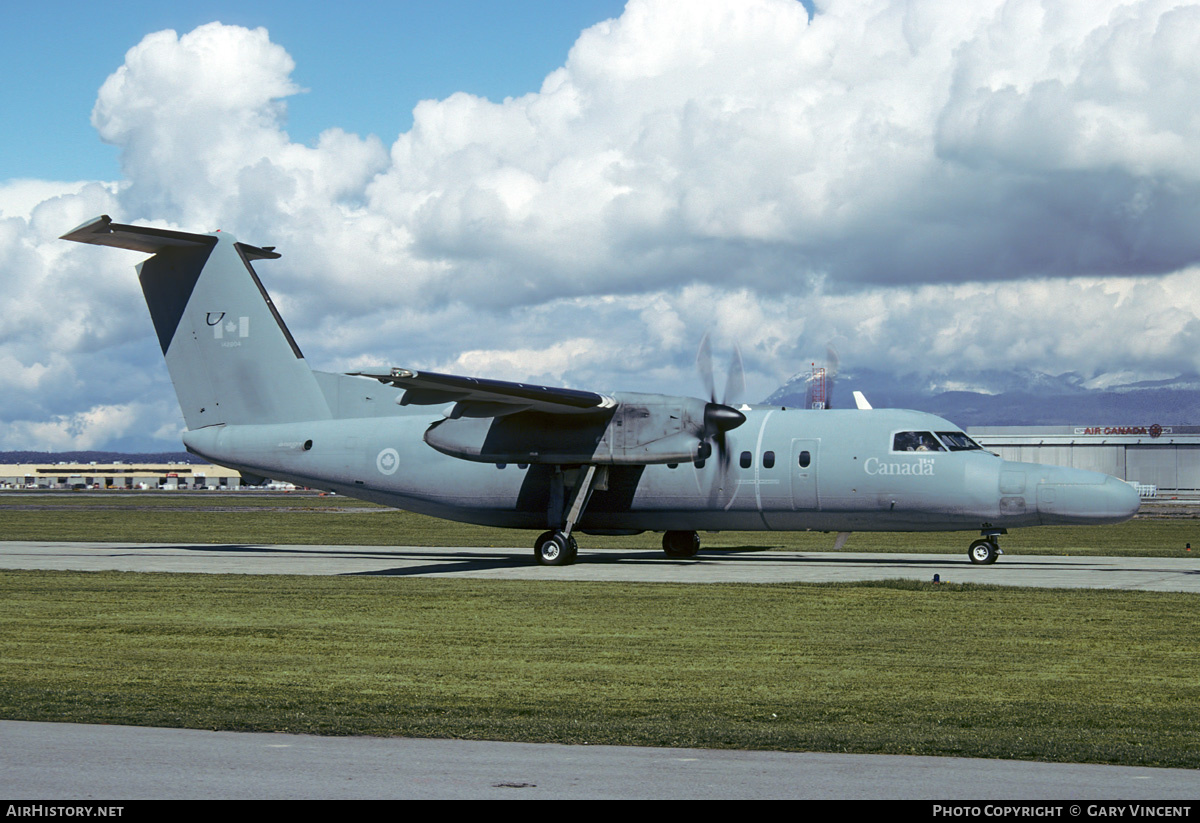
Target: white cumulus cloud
[{"x": 935, "y": 186}]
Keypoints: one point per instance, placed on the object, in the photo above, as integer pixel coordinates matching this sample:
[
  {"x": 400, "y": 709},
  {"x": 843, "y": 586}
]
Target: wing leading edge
[{"x": 480, "y": 397}]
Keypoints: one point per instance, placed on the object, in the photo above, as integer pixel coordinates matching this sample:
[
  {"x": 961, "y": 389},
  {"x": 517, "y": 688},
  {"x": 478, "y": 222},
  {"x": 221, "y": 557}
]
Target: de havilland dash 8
[{"x": 564, "y": 460}]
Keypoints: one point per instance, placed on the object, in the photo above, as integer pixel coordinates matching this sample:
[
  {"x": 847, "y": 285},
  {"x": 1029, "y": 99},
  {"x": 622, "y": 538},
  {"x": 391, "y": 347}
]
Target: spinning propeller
[{"x": 721, "y": 417}]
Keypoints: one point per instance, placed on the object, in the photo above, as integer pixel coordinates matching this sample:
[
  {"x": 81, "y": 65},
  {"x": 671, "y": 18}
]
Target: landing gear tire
[
  {"x": 681, "y": 544},
  {"x": 983, "y": 552},
  {"x": 555, "y": 549}
]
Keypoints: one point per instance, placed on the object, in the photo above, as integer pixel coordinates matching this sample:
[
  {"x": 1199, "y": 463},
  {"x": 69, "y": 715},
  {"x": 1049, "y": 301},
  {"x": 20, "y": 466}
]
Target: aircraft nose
[{"x": 1067, "y": 496}]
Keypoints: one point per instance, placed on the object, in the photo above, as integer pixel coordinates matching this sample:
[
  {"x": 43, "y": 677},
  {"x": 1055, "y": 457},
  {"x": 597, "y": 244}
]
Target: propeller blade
[
  {"x": 831, "y": 373},
  {"x": 704, "y": 365},
  {"x": 719, "y": 418},
  {"x": 722, "y": 471},
  {"x": 735, "y": 382}
]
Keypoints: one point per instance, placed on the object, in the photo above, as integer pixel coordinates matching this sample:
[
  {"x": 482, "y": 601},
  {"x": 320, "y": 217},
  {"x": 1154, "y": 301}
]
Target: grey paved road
[
  {"x": 61, "y": 761},
  {"x": 1151, "y": 574}
]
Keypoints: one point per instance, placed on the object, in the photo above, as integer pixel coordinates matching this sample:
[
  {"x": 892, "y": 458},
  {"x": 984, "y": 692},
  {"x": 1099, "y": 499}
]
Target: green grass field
[
  {"x": 906, "y": 668},
  {"x": 1107, "y": 677}
]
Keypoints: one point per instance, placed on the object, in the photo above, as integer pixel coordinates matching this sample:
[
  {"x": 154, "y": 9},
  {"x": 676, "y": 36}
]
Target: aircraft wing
[{"x": 479, "y": 397}]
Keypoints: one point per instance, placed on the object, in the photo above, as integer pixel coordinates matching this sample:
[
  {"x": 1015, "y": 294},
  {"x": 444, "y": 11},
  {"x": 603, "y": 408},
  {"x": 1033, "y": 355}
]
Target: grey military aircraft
[{"x": 536, "y": 457}]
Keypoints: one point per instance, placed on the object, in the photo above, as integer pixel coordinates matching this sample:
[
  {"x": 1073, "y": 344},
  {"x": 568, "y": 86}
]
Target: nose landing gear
[{"x": 986, "y": 550}]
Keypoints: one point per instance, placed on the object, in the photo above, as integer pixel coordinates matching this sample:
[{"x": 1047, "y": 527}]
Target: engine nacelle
[{"x": 641, "y": 429}]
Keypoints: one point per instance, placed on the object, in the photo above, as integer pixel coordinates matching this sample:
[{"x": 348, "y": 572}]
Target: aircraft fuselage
[{"x": 789, "y": 469}]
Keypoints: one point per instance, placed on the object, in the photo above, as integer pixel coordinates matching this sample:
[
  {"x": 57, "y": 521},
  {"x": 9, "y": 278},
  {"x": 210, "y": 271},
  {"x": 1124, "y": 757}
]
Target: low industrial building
[{"x": 118, "y": 476}]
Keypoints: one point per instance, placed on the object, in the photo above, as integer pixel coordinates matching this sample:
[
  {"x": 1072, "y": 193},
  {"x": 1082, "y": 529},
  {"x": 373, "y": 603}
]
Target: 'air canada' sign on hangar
[{"x": 1151, "y": 431}]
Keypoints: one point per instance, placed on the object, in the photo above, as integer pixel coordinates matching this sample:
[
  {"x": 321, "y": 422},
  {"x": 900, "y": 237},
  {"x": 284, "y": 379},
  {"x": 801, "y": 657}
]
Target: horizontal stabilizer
[{"x": 104, "y": 232}]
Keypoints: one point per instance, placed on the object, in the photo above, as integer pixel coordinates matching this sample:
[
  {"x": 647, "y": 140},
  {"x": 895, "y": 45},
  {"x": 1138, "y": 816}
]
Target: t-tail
[{"x": 229, "y": 353}]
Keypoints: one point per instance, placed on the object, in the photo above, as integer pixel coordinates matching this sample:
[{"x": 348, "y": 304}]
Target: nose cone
[{"x": 1067, "y": 496}]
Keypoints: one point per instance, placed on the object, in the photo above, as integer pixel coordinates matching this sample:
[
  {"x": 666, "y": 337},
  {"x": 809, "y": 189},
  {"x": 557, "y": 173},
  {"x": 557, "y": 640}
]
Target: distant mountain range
[{"x": 1013, "y": 398}]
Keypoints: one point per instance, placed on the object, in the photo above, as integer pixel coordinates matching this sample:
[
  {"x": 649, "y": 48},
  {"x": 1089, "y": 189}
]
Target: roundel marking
[{"x": 388, "y": 461}]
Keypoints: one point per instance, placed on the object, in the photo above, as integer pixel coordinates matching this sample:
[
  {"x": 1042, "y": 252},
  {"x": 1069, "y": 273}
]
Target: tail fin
[{"x": 228, "y": 352}]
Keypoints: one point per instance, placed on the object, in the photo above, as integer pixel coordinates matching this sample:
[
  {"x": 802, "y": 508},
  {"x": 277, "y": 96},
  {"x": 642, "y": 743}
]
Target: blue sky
[
  {"x": 365, "y": 65},
  {"x": 574, "y": 194}
]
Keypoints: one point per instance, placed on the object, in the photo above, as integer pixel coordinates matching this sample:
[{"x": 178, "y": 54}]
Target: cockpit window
[
  {"x": 958, "y": 442},
  {"x": 916, "y": 442}
]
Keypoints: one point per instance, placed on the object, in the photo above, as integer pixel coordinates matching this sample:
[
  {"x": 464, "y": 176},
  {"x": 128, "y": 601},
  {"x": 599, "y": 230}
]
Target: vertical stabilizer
[{"x": 229, "y": 353}]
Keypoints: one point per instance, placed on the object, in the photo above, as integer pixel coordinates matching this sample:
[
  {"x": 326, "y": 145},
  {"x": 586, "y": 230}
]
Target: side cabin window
[
  {"x": 916, "y": 442},
  {"x": 768, "y": 460},
  {"x": 805, "y": 459},
  {"x": 745, "y": 460}
]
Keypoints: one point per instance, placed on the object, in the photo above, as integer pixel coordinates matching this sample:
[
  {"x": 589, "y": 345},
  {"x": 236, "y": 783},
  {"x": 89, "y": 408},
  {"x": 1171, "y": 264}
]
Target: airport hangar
[
  {"x": 1158, "y": 459},
  {"x": 120, "y": 476}
]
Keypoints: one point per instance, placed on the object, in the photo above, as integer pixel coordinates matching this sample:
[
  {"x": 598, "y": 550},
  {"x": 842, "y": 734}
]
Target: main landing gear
[
  {"x": 681, "y": 544},
  {"x": 570, "y": 490},
  {"x": 555, "y": 548},
  {"x": 986, "y": 550}
]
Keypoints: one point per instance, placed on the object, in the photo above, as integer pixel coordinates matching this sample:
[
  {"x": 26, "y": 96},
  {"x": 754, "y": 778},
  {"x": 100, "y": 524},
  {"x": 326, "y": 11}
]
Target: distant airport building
[
  {"x": 118, "y": 476},
  {"x": 1164, "y": 457}
]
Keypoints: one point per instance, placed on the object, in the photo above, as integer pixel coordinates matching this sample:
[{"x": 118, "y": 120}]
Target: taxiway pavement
[
  {"x": 41, "y": 761},
  {"x": 1142, "y": 573}
]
